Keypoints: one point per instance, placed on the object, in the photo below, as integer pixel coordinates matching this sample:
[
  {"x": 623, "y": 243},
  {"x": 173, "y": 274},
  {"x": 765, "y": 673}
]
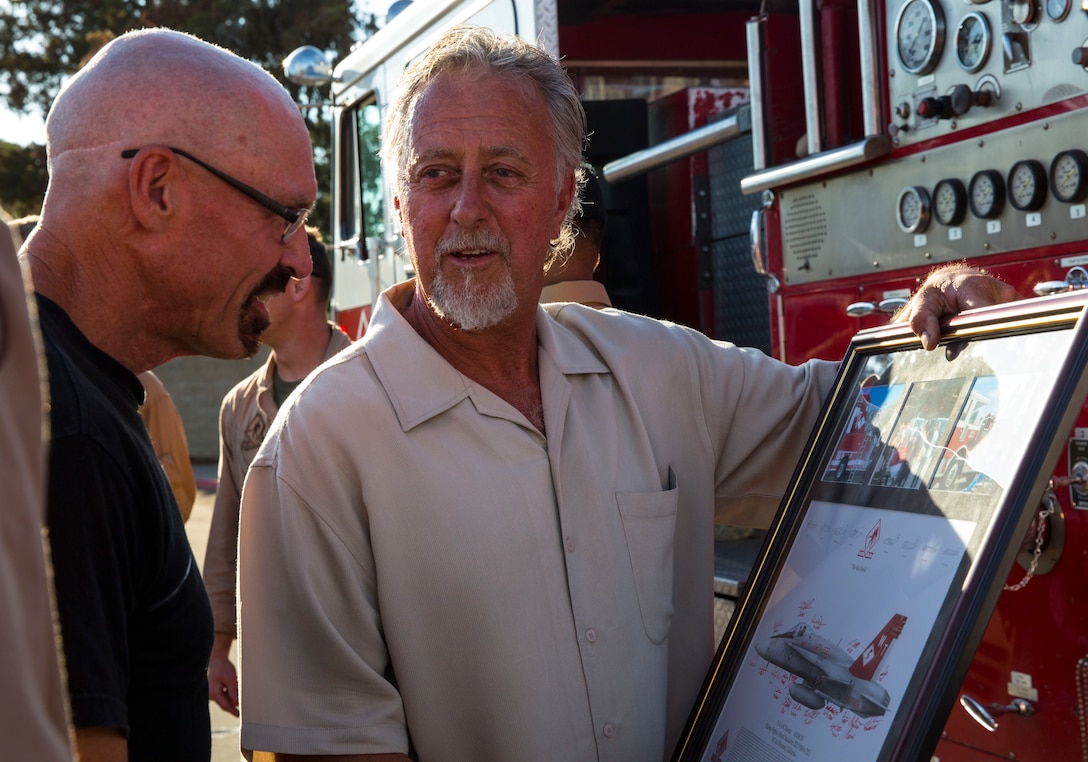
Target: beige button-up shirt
[{"x": 417, "y": 559}]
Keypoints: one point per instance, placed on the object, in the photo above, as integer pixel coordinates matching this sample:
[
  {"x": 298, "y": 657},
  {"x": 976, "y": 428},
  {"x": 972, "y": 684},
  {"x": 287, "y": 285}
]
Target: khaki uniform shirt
[
  {"x": 588, "y": 292},
  {"x": 244, "y": 418},
  {"x": 418, "y": 560},
  {"x": 33, "y": 723},
  {"x": 167, "y": 432}
]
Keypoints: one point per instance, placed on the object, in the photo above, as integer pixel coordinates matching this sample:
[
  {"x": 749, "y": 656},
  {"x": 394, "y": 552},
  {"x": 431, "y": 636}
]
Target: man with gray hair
[
  {"x": 520, "y": 564},
  {"x": 150, "y": 246}
]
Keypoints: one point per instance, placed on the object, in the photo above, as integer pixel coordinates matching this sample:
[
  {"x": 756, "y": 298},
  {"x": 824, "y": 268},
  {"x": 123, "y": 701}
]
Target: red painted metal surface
[{"x": 1037, "y": 634}]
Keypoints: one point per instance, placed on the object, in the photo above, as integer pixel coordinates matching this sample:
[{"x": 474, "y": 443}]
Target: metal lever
[
  {"x": 1076, "y": 278},
  {"x": 887, "y": 306},
  {"x": 985, "y": 716}
]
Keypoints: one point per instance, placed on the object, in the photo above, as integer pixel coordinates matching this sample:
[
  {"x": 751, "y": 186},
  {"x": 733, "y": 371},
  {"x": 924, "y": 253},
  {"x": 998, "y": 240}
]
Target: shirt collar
[{"x": 421, "y": 384}]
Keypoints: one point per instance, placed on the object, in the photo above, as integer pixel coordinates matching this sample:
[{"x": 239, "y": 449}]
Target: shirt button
[
  {"x": 591, "y": 635},
  {"x": 570, "y": 543},
  {"x": 608, "y": 730}
]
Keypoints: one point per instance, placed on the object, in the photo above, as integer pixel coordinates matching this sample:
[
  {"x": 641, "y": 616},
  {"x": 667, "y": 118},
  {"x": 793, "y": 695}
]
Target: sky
[{"x": 15, "y": 128}]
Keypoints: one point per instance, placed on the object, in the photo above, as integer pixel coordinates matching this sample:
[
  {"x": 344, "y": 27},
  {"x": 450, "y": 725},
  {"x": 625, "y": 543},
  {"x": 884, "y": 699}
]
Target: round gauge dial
[
  {"x": 986, "y": 194},
  {"x": 1023, "y": 11},
  {"x": 949, "y": 202},
  {"x": 1057, "y": 10},
  {"x": 919, "y": 35},
  {"x": 1069, "y": 176},
  {"x": 1027, "y": 185},
  {"x": 973, "y": 41},
  {"x": 912, "y": 209}
]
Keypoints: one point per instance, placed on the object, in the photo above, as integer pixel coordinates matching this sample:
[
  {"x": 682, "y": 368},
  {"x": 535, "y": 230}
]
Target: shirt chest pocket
[{"x": 649, "y": 524}]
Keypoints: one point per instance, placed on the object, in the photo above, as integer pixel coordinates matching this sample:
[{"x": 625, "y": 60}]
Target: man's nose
[
  {"x": 470, "y": 206},
  {"x": 296, "y": 256}
]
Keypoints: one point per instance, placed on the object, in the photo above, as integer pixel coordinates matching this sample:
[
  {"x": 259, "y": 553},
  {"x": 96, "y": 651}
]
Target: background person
[
  {"x": 301, "y": 338},
  {"x": 570, "y": 277},
  {"x": 167, "y": 431},
  {"x": 149, "y": 247}
]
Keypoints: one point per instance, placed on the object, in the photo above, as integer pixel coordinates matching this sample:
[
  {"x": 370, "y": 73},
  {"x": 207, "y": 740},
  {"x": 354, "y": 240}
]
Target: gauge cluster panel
[
  {"x": 1020, "y": 188},
  {"x": 956, "y": 64}
]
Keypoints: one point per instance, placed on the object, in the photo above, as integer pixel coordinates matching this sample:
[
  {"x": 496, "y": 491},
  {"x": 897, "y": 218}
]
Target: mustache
[
  {"x": 467, "y": 240},
  {"x": 273, "y": 283}
]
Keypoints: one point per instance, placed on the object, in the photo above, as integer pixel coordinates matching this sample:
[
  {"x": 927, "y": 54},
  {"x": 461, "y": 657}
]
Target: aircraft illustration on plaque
[{"x": 828, "y": 673}]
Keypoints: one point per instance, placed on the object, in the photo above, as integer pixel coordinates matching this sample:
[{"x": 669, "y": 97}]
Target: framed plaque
[{"x": 890, "y": 549}]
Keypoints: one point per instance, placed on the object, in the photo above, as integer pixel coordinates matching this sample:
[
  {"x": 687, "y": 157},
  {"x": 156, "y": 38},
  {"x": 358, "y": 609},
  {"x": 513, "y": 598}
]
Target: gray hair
[{"x": 472, "y": 48}]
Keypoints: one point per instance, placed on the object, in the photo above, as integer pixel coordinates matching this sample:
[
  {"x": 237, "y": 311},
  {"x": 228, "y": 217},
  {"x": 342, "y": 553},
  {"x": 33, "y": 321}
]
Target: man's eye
[{"x": 505, "y": 175}]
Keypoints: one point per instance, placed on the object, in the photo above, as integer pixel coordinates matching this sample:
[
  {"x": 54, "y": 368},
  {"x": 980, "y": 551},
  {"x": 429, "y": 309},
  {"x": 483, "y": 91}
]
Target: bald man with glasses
[{"x": 143, "y": 253}]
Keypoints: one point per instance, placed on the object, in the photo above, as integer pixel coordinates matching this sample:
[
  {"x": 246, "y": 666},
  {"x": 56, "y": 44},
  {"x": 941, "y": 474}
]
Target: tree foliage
[
  {"x": 43, "y": 42},
  {"x": 22, "y": 178}
]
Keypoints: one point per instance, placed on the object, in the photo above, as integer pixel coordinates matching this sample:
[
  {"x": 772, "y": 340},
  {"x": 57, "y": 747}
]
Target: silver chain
[
  {"x": 1050, "y": 500},
  {"x": 1082, "y": 705}
]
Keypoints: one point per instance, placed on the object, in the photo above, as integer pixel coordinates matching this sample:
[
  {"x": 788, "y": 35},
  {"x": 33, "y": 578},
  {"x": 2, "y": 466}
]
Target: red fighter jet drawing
[{"x": 826, "y": 671}]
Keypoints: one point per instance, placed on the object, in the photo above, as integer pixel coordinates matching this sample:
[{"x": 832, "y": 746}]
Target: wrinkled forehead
[{"x": 463, "y": 90}]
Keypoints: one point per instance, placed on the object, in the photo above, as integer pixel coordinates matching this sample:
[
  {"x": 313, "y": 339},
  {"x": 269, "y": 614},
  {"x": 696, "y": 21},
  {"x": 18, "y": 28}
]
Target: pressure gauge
[
  {"x": 986, "y": 194},
  {"x": 1057, "y": 10},
  {"x": 973, "y": 40},
  {"x": 919, "y": 35},
  {"x": 912, "y": 209},
  {"x": 1069, "y": 176},
  {"x": 949, "y": 202},
  {"x": 1023, "y": 12},
  {"x": 1027, "y": 185}
]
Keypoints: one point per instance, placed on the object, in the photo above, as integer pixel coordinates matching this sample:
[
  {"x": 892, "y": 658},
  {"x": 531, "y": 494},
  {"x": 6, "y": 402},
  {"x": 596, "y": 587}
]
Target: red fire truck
[{"x": 781, "y": 175}]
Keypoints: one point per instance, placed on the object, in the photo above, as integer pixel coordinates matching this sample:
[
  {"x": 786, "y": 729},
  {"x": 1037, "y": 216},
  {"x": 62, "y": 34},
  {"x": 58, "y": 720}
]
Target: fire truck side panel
[
  {"x": 985, "y": 122},
  {"x": 647, "y": 37}
]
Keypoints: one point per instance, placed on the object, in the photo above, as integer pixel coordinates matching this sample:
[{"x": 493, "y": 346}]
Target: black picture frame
[{"x": 889, "y": 551}]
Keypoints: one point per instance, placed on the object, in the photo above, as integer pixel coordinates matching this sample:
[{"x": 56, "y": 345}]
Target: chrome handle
[
  {"x": 860, "y": 309},
  {"x": 1076, "y": 278},
  {"x": 984, "y": 716}
]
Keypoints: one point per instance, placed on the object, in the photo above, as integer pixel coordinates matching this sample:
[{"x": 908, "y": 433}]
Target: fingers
[
  {"x": 949, "y": 290},
  {"x": 223, "y": 683},
  {"x": 225, "y": 694},
  {"x": 226, "y": 702},
  {"x": 924, "y": 313}
]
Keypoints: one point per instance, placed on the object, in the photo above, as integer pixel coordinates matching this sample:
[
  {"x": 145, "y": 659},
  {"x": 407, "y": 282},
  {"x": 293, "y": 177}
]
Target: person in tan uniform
[
  {"x": 570, "y": 278},
  {"x": 301, "y": 338},
  {"x": 33, "y": 724},
  {"x": 167, "y": 431}
]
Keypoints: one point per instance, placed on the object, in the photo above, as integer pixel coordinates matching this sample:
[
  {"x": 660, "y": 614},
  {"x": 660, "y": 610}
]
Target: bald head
[
  {"x": 162, "y": 86},
  {"x": 144, "y": 221}
]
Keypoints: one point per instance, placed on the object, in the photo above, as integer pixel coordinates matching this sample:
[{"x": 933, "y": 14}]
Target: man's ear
[
  {"x": 565, "y": 196},
  {"x": 153, "y": 188},
  {"x": 299, "y": 288}
]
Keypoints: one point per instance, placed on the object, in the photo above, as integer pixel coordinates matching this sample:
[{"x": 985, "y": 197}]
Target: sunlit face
[
  {"x": 252, "y": 256},
  {"x": 482, "y": 202}
]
